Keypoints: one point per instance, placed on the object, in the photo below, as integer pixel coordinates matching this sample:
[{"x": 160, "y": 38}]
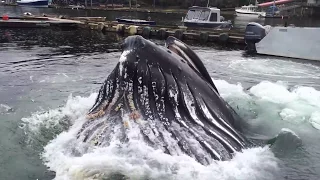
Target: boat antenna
[
  {"x": 274, "y": 5},
  {"x": 136, "y": 5},
  {"x": 208, "y": 3}
]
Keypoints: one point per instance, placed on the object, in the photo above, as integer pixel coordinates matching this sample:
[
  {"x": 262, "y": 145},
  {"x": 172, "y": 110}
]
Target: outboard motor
[{"x": 254, "y": 33}]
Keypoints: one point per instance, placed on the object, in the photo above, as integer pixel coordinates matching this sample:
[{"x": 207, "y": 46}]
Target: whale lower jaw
[{"x": 174, "y": 139}]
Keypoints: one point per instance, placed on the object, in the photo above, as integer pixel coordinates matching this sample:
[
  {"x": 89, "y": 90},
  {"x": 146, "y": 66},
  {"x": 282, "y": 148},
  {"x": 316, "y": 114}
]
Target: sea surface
[{"x": 49, "y": 79}]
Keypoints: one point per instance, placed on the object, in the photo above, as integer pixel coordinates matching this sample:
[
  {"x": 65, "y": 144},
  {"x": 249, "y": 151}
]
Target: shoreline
[
  {"x": 169, "y": 10},
  {"x": 144, "y": 9}
]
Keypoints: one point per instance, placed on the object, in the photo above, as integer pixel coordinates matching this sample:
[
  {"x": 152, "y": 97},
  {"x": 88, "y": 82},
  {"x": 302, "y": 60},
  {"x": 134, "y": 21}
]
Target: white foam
[
  {"x": 56, "y": 78},
  {"x": 315, "y": 119},
  {"x": 122, "y": 59},
  {"x": 230, "y": 90},
  {"x": 136, "y": 160},
  {"x": 4, "y": 108},
  {"x": 272, "y": 92},
  {"x": 299, "y": 105},
  {"x": 291, "y": 115},
  {"x": 75, "y": 107}
]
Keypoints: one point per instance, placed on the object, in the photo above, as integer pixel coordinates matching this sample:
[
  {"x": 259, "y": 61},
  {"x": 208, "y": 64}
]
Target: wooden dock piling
[
  {"x": 100, "y": 24},
  {"x": 158, "y": 32}
]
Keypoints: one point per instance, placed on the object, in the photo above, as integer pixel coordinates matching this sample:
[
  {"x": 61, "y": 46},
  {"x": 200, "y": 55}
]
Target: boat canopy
[
  {"x": 275, "y": 2},
  {"x": 250, "y": 7},
  {"x": 203, "y": 14}
]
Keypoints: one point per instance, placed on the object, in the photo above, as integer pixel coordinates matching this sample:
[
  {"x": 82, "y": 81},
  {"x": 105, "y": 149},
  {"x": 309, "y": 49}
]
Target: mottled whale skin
[{"x": 167, "y": 93}]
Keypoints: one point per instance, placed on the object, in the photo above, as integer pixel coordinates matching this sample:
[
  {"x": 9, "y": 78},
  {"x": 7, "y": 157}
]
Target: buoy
[
  {"x": 62, "y": 17},
  {"x": 104, "y": 29},
  {"x": 5, "y": 17},
  {"x": 120, "y": 28},
  {"x": 178, "y": 34},
  {"x": 204, "y": 36},
  {"x": 133, "y": 30},
  {"x": 27, "y": 14},
  {"x": 100, "y": 26},
  {"x": 223, "y": 37},
  {"x": 162, "y": 33},
  {"x": 93, "y": 26},
  {"x": 146, "y": 32}
]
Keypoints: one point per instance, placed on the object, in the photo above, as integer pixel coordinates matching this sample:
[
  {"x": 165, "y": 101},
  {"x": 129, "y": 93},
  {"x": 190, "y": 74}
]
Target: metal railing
[{"x": 285, "y": 8}]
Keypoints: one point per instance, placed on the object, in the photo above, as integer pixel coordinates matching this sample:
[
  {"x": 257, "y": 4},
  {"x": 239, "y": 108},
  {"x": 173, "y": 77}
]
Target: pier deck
[{"x": 37, "y": 22}]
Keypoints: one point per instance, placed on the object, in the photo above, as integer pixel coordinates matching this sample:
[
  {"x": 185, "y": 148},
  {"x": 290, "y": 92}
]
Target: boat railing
[
  {"x": 248, "y": 8},
  {"x": 285, "y": 8}
]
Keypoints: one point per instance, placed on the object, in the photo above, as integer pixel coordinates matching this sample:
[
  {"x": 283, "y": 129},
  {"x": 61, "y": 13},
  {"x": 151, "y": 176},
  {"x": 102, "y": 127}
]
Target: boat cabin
[
  {"x": 272, "y": 10},
  {"x": 250, "y": 8},
  {"x": 206, "y": 14}
]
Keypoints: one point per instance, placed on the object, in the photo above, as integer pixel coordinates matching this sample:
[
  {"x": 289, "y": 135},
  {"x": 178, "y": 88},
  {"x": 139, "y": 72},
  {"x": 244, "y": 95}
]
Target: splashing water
[
  {"x": 136, "y": 160},
  {"x": 298, "y": 105},
  {"x": 266, "y": 101},
  {"x": 56, "y": 120}
]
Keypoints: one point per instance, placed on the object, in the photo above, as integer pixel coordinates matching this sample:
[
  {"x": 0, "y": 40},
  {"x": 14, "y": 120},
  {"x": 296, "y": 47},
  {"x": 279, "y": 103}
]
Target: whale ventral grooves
[{"x": 173, "y": 103}]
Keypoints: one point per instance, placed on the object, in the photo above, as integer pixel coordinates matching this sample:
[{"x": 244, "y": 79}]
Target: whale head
[{"x": 167, "y": 94}]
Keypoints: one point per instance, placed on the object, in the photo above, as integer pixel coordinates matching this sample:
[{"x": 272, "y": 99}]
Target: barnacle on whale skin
[
  {"x": 135, "y": 115},
  {"x": 96, "y": 115},
  {"x": 118, "y": 107}
]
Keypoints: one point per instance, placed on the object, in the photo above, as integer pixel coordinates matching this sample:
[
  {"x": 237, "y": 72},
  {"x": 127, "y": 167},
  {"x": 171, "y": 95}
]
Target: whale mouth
[{"x": 165, "y": 96}]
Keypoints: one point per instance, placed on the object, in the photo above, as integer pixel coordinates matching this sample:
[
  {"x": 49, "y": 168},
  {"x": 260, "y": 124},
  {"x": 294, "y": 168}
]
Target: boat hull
[
  {"x": 37, "y": 3},
  {"x": 293, "y": 42},
  {"x": 250, "y": 14},
  {"x": 136, "y": 21},
  {"x": 208, "y": 25},
  {"x": 276, "y": 16}
]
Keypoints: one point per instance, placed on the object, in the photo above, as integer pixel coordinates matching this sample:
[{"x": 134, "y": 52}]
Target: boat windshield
[
  {"x": 190, "y": 14},
  {"x": 249, "y": 8},
  {"x": 198, "y": 14},
  {"x": 204, "y": 15}
]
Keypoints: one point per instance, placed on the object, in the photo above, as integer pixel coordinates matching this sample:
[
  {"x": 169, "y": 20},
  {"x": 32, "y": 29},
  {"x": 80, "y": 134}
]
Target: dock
[
  {"x": 203, "y": 35},
  {"x": 38, "y": 22}
]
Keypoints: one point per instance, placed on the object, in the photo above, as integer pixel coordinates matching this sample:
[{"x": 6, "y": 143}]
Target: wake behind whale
[{"x": 167, "y": 94}]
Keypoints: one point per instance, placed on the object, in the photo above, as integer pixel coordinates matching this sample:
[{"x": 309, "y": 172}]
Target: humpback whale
[{"x": 166, "y": 93}]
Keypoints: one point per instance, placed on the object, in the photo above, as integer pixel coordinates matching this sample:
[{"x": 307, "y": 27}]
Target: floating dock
[
  {"x": 37, "y": 22},
  {"x": 202, "y": 35}
]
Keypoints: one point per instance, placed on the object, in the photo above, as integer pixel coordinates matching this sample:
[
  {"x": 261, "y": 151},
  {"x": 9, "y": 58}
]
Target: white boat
[
  {"x": 205, "y": 17},
  {"x": 33, "y": 3},
  {"x": 292, "y": 42},
  {"x": 77, "y": 6},
  {"x": 250, "y": 11}
]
